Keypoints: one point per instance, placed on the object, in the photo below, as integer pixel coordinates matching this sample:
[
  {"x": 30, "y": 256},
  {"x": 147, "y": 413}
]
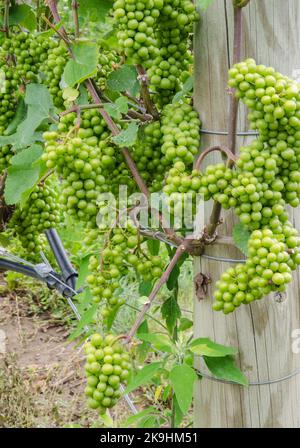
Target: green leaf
[
  {"x": 85, "y": 320},
  {"x": 206, "y": 347},
  {"x": 203, "y": 4},
  {"x": 19, "y": 180},
  {"x": 127, "y": 137},
  {"x": 226, "y": 369},
  {"x": 185, "y": 324},
  {"x": 28, "y": 156},
  {"x": 186, "y": 88},
  {"x": 111, "y": 317},
  {"x": 85, "y": 64},
  {"x": 145, "y": 288},
  {"x": 182, "y": 378},
  {"x": 143, "y": 376},
  {"x": 142, "y": 349},
  {"x": 96, "y": 10},
  {"x": 4, "y": 240},
  {"x": 70, "y": 94},
  {"x": 107, "y": 420},
  {"x": 115, "y": 110},
  {"x": 124, "y": 80},
  {"x": 39, "y": 105},
  {"x": 153, "y": 246},
  {"x": 241, "y": 237},
  {"x": 37, "y": 95},
  {"x": 83, "y": 97},
  {"x": 136, "y": 417},
  {"x": 173, "y": 278},
  {"x": 170, "y": 311},
  {"x": 159, "y": 341},
  {"x": 18, "y": 118},
  {"x": 178, "y": 413},
  {"x": 23, "y": 174},
  {"x": 83, "y": 266},
  {"x": 22, "y": 15}
]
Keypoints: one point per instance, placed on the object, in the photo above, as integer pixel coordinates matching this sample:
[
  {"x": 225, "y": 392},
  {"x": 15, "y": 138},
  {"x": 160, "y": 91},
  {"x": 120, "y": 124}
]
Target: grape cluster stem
[{"x": 164, "y": 278}]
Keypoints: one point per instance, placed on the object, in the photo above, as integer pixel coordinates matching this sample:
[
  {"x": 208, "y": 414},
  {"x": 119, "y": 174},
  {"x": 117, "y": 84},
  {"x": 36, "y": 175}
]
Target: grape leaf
[
  {"x": 143, "y": 348},
  {"x": 183, "y": 378},
  {"x": 116, "y": 109},
  {"x": 18, "y": 118},
  {"x": 28, "y": 156},
  {"x": 170, "y": 311},
  {"x": 83, "y": 97},
  {"x": 153, "y": 246},
  {"x": 96, "y": 10},
  {"x": 23, "y": 174},
  {"x": 185, "y": 324},
  {"x": 39, "y": 107},
  {"x": 127, "y": 137},
  {"x": 136, "y": 417},
  {"x": 22, "y": 15},
  {"x": 145, "y": 288},
  {"x": 85, "y": 320},
  {"x": 206, "y": 347},
  {"x": 241, "y": 237},
  {"x": 178, "y": 413},
  {"x": 173, "y": 278},
  {"x": 83, "y": 66},
  {"x": 159, "y": 341},
  {"x": 186, "y": 88},
  {"x": 124, "y": 80},
  {"x": 143, "y": 376},
  {"x": 70, "y": 94},
  {"x": 226, "y": 369}
]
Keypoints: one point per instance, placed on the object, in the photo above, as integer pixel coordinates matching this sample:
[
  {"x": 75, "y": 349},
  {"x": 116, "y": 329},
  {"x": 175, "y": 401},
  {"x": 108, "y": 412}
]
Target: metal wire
[
  {"x": 251, "y": 383},
  {"x": 225, "y": 260},
  {"x": 240, "y": 134}
]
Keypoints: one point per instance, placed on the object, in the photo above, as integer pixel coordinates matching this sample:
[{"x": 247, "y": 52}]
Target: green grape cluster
[
  {"x": 107, "y": 367},
  {"x": 171, "y": 65},
  {"x": 52, "y": 70},
  {"x": 87, "y": 162},
  {"x": 136, "y": 27},
  {"x": 77, "y": 160},
  {"x": 272, "y": 256},
  {"x": 181, "y": 133},
  {"x": 21, "y": 56},
  {"x": 5, "y": 157},
  {"x": 40, "y": 212},
  {"x": 108, "y": 61},
  {"x": 122, "y": 253},
  {"x": 149, "y": 159},
  {"x": 274, "y": 101},
  {"x": 181, "y": 188},
  {"x": 155, "y": 34}
]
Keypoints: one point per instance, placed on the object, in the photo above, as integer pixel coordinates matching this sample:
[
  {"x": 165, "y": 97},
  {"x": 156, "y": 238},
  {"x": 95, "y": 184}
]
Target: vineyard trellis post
[{"x": 265, "y": 332}]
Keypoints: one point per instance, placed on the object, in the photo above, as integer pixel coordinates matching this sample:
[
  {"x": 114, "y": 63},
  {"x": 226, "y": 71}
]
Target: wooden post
[{"x": 263, "y": 331}]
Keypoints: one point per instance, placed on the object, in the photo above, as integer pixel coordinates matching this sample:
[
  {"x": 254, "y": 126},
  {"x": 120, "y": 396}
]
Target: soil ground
[{"x": 41, "y": 374}]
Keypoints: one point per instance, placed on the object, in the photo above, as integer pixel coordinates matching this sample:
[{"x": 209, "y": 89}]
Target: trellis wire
[
  {"x": 251, "y": 383},
  {"x": 239, "y": 134}
]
